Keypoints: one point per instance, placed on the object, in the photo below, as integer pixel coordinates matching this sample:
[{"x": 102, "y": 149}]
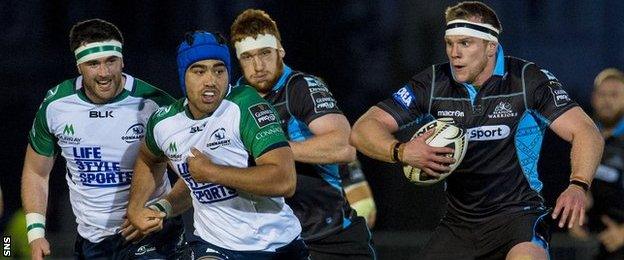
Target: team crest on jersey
[
  {"x": 134, "y": 133},
  {"x": 502, "y": 110},
  {"x": 218, "y": 138},
  {"x": 262, "y": 114},
  {"x": 404, "y": 97}
]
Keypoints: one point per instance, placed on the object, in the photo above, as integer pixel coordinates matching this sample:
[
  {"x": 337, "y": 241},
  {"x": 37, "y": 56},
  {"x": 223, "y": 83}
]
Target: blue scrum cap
[{"x": 201, "y": 45}]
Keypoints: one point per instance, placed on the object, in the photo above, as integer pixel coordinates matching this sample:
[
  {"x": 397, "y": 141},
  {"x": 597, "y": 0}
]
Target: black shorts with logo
[
  {"x": 456, "y": 239},
  {"x": 165, "y": 244}
]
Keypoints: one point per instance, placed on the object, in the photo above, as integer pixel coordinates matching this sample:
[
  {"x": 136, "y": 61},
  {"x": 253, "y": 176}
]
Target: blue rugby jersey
[
  {"x": 505, "y": 119},
  {"x": 319, "y": 201}
]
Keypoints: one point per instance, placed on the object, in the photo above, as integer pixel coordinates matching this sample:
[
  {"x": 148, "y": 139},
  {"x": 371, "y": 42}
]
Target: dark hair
[
  {"x": 93, "y": 30},
  {"x": 473, "y": 9}
]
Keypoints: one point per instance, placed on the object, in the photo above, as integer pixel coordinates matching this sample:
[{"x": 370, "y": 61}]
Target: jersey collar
[
  {"x": 618, "y": 130},
  {"x": 282, "y": 80},
  {"x": 499, "y": 70},
  {"x": 278, "y": 85}
]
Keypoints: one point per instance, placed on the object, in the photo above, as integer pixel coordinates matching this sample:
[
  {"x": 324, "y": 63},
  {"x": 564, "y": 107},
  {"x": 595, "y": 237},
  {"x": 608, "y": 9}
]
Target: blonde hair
[
  {"x": 609, "y": 73},
  {"x": 473, "y": 9}
]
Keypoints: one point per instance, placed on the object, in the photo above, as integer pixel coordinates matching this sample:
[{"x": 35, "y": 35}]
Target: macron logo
[{"x": 488, "y": 132}]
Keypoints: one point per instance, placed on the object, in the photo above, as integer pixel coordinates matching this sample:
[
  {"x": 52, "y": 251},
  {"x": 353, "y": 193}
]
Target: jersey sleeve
[
  {"x": 309, "y": 98},
  {"x": 39, "y": 137},
  {"x": 150, "y": 139},
  {"x": 545, "y": 94},
  {"x": 259, "y": 124},
  {"x": 411, "y": 100}
]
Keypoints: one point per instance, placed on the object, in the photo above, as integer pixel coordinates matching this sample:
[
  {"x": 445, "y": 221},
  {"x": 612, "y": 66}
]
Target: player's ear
[
  {"x": 491, "y": 48},
  {"x": 280, "y": 50},
  {"x": 78, "y": 68}
]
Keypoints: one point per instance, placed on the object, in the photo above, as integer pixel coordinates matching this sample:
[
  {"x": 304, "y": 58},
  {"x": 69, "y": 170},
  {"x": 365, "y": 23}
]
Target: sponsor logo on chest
[
  {"x": 503, "y": 110},
  {"x": 172, "y": 152},
  {"x": 488, "y": 132},
  {"x": 68, "y": 135}
]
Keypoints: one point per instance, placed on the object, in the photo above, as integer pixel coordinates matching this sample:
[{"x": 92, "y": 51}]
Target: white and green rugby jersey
[
  {"x": 100, "y": 143},
  {"x": 243, "y": 127}
]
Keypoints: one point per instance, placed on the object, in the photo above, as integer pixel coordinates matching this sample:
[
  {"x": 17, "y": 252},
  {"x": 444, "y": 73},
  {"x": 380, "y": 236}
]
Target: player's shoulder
[
  {"x": 142, "y": 89},
  {"x": 304, "y": 81},
  {"x": 437, "y": 73},
  {"x": 532, "y": 74},
  {"x": 63, "y": 89},
  {"x": 243, "y": 95},
  {"x": 168, "y": 111}
]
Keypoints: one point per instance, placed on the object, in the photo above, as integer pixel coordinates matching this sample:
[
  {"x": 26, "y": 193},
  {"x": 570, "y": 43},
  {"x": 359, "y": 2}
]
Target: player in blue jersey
[
  {"x": 318, "y": 134},
  {"x": 505, "y": 104},
  {"x": 96, "y": 121}
]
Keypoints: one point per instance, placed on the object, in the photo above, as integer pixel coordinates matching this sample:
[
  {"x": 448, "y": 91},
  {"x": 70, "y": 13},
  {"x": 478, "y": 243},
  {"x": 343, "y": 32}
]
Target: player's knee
[{"x": 527, "y": 251}]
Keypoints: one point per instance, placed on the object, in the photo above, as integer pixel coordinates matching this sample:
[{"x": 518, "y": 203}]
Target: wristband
[
  {"x": 396, "y": 149},
  {"x": 580, "y": 183},
  {"x": 35, "y": 226},
  {"x": 162, "y": 205}
]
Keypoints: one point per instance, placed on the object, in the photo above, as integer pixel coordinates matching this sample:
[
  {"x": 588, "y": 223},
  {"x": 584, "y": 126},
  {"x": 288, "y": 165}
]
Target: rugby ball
[{"x": 446, "y": 134}]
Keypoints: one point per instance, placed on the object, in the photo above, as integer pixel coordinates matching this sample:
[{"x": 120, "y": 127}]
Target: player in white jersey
[
  {"x": 227, "y": 145},
  {"x": 95, "y": 121}
]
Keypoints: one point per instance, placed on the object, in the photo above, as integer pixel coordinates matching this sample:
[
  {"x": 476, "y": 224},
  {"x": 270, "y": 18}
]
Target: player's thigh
[
  {"x": 524, "y": 232},
  {"x": 527, "y": 251},
  {"x": 449, "y": 242}
]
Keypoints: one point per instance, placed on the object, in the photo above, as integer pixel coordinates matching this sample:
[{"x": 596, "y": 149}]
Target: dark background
[{"x": 364, "y": 50}]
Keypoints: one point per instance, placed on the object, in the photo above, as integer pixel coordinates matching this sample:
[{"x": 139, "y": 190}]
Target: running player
[
  {"x": 495, "y": 210},
  {"x": 95, "y": 121},
  {"x": 318, "y": 133},
  {"x": 226, "y": 144}
]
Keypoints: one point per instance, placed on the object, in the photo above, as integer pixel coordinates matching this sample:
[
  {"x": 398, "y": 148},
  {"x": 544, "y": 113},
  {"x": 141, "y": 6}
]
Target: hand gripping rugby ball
[{"x": 446, "y": 134}]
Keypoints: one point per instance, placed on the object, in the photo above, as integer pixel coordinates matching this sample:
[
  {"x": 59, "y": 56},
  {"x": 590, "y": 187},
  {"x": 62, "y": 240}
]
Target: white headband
[
  {"x": 95, "y": 50},
  {"x": 249, "y": 43},
  {"x": 479, "y": 30}
]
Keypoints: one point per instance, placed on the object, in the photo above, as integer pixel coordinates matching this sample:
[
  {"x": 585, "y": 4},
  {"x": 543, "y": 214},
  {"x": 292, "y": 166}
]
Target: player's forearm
[
  {"x": 373, "y": 139},
  {"x": 35, "y": 177},
  {"x": 331, "y": 147},
  {"x": 587, "y": 147},
  {"x": 179, "y": 198},
  {"x": 34, "y": 192},
  {"x": 143, "y": 185},
  {"x": 273, "y": 177}
]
